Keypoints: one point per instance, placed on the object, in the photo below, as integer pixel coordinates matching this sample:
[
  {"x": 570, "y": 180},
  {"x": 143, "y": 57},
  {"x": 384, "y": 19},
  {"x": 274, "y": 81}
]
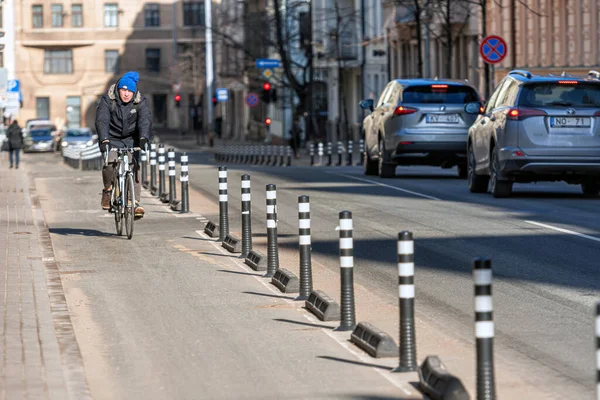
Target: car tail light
[
  {"x": 518, "y": 114},
  {"x": 439, "y": 86},
  {"x": 567, "y": 82},
  {"x": 518, "y": 153},
  {"x": 405, "y": 143},
  {"x": 401, "y": 110},
  {"x": 597, "y": 114}
]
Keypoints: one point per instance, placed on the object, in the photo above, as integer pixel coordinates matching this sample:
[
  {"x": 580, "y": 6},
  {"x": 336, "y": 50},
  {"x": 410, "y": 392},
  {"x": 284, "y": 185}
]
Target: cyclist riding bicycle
[{"x": 123, "y": 119}]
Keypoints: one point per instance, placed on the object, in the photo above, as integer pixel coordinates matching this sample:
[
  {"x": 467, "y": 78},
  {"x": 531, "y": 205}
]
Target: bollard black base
[
  {"x": 323, "y": 306},
  {"x": 286, "y": 281},
  {"x": 232, "y": 244},
  {"x": 374, "y": 341},
  {"x": 145, "y": 184},
  {"x": 256, "y": 260},
  {"x": 436, "y": 382},
  {"x": 175, "y": 205},
  {"x": 211, "y": 229},
  {"x": 164, "y": 198},
  {"x": 153, "y": 190}
]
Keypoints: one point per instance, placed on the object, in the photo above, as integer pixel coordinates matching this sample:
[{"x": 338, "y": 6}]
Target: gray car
[
  {"x": 419, "y": 122},
  {"x": 537, "y": 128}
]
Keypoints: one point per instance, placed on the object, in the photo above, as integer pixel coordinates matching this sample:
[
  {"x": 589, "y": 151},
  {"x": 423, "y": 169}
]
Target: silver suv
[
  {"x": 419, "y": 122},
  {"x": 537, "y": 128}
]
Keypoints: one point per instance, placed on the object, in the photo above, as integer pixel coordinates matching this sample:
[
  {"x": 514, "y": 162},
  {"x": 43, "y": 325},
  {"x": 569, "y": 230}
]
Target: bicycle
[{"x": 122, "y": 198}]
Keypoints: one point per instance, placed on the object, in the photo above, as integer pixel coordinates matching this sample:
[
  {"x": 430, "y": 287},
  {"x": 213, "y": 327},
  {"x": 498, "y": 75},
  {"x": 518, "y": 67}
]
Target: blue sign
[
  {"x": 493, "y": 49},
  {"x": 267, "y": 63},
  {"x": 14, "y": 85},
  {"x": 222, "y": 94},
  {"x": 252, "y": 99}
]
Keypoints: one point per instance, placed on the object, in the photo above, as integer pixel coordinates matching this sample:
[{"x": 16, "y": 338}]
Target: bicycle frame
[{"x": 123, "y": 168}]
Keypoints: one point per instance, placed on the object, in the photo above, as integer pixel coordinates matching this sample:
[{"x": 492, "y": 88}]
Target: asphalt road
[
  {"x": 544, "y": 243},
  {"x": 169, "y": 315}
]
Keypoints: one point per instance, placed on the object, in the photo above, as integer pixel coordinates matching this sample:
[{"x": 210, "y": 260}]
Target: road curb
[
  {"x": 374, "y": 341},
  {"x": 323, "y": 306},
  {"x": 286, "y": 281},
  {"x": 232, "y": 243},
  {"x": 256, "y": 260}
]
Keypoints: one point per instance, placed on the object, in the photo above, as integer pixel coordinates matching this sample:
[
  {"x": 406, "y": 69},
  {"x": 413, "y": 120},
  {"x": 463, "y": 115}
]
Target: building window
[
  {"x": 57, "y": 15},
  {"x": 111, "y": 61},
  {"x": 152, "y": 14},
  {"x": 58, "y": 62},
  {"x": 153, "y": 60},
  {"x": 193, "y": 13},
  {"x": 73, "y": 112},
  {"x": 42, "y": 107},
  {"x": 37, "y": 16},
  {"x": 111, "y": 15},
  {"x": 77, "y": 15}
]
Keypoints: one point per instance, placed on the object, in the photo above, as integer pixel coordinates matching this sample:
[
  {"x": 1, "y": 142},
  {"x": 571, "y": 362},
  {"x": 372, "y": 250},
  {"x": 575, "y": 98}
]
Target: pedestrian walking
[
  {"x": 14, "y": 136},
  {"x": 295, "y": 133}
]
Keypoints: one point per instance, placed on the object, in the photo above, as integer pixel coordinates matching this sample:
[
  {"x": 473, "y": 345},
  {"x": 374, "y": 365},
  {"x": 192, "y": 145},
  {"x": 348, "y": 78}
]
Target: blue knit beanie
[{"x": 129, "y": 81}]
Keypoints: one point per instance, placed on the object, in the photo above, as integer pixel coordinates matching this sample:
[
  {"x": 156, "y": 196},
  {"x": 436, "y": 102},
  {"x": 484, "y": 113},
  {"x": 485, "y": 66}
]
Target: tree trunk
[
  {"x": 418, "y": 12},
  {"x": 448, "y": 40}
]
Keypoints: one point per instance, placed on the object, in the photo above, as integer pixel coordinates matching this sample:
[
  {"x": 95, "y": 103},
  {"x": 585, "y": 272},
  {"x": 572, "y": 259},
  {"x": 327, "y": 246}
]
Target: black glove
[
  {"x": 143, "y": 143},
  {"x": 105, "y": 146}
]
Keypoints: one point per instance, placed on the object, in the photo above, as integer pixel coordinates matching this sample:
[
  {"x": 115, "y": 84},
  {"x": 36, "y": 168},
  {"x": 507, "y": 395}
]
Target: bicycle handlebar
[{"x": 122, "y": 149}]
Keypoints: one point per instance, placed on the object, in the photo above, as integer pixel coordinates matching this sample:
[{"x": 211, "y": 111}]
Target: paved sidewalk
[{"x": 39, "y": 356}]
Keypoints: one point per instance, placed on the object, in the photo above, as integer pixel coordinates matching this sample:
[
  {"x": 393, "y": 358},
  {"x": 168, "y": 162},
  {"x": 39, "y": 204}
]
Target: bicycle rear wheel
[
  {"x": 130, "y": 205},
  {"x": 116, "y": 208}
]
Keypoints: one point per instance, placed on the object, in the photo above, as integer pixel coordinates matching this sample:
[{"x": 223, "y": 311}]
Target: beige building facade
[
  {"x": 68, "y": 52},
  {"x": 551, "y": 35}
]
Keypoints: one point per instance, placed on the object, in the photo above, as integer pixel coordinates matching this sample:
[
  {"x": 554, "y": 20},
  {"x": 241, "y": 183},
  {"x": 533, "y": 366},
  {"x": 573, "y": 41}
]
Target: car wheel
[
  {"x": 498, "y": 187},
  {"x": 590, "y": 188},
  {"x": 477, "y": 183},
  {"x": 386, "y": 169},
  {"x": 369, "y": 166}
]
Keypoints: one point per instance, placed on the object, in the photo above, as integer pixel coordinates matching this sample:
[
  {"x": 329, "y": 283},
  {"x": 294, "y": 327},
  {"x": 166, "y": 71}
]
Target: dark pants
[
  {"x": 108, "y": 174},
  {"x": 10, "y": 156}
]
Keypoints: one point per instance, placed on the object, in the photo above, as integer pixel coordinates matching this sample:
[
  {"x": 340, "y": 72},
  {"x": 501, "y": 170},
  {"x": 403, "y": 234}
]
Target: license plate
[
  {"x": 570, "y": 122},
  {"x": 441, "y": 119}
]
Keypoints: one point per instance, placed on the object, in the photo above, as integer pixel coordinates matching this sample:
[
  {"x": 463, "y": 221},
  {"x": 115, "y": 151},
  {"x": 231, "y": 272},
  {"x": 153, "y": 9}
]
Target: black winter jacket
[
  {"x": 110, "y": 115},
  {"x": 14, "y": 135}
]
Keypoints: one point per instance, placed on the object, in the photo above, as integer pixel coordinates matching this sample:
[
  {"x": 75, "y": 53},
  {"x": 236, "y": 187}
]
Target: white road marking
[
  {"x": 388, "y": 375},
  {"x": 387, "y": 186},
  {"x": 555, "y": 228}
]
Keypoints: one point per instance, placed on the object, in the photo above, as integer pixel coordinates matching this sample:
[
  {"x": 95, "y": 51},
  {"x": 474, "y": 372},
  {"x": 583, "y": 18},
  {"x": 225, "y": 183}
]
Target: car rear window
[
  {"x": 439, "y": 94},
  {"x": 40, "y": 132},
  {"x": 556, "y": 94}
]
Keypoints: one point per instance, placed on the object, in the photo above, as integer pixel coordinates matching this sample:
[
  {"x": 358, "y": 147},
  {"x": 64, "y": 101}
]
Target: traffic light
[
  {"x": 267, "y": 121},
  {"x": 266, "y": 93},
  {"x": 214, "y": 99},
  {"x": 177, "y": 100}
]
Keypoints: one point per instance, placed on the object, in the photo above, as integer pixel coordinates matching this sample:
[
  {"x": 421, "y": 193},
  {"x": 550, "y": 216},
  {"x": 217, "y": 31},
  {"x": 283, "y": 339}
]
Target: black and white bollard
[
  {"x": 304, "y": 246},
  {"x": 184, "y": 179},
  {"x": 484, "y": 328},
  {"x": 223, "y": 217},
  {"x": 340, "y": 154},
  {"x": 406, "y": 291},
  {"x": 144, "y": 167},
  {"x": 246, "y": 216},
  {"x": 289, "y": 156},
  {"x": 272, "y": 247},
  {"x": 311, "y": 150},
  {"x": 329, "y": 153},
  {"x": 348, "y": 315},
  {"x": 172, "y": 178},
  {"x": 598, "y": 351},
  {"x": 281, "y": 156},
  {"x": 152, "y": 183},
  {"x": 320, "y": 150},
  {"x": 361, "y": 151},
  {"x": 161, "y": 170},
  {"x": 350, "y": 152}
]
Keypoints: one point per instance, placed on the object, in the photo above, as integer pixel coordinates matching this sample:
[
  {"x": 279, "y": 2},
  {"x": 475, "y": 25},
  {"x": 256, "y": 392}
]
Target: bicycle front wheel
[
  {"x": 130, "y": 205},
  {"x": 116, "y": 209}
]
